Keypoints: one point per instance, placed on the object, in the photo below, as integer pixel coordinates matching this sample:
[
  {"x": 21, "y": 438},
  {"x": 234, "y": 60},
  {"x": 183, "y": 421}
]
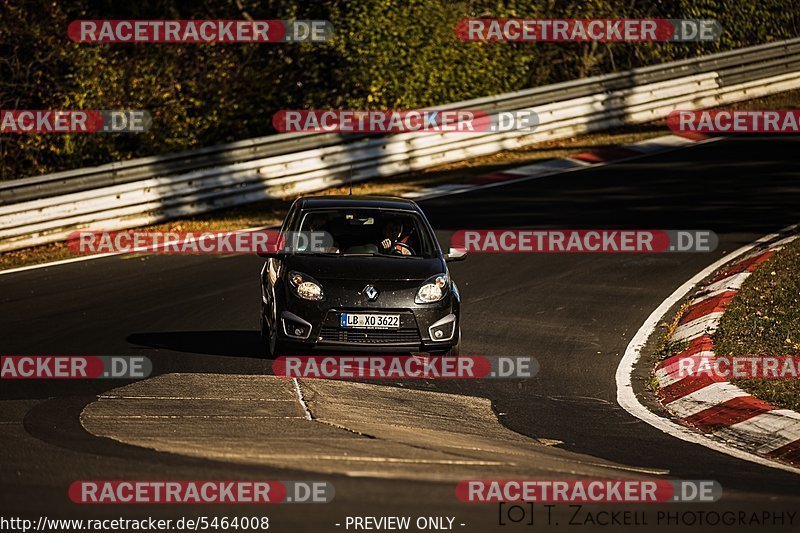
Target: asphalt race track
[{"x": 575, "y": 313}]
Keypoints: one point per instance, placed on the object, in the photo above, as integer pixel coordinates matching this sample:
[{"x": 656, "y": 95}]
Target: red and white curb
[
  {"x": 712, "y": 405},
  {"x": 591, "y": 159}
]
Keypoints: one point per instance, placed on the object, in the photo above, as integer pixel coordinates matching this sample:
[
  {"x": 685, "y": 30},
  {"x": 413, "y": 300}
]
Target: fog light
[
  {"x": 294, "y": 326},
  {"x": 443, "y": 330},
  {"x": 296, "y": 330}
]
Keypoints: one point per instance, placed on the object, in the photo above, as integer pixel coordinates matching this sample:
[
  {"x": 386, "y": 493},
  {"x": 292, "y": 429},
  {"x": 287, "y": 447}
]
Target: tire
[
  {"x": 263, "y": 325},
  {"x": 264, "y": 330},
  {"x": 455, "y": 350},
  {"x": 273, "y": 347}
]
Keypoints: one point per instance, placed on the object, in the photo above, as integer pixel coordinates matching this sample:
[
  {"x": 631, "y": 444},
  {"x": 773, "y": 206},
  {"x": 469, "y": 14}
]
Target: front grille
[{"x": 375, "y": 336}]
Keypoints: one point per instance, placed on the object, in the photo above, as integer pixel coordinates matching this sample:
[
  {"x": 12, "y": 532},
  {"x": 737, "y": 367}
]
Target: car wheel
[
  {"x": 276, "y": 347},
  {"x": 455, "y": 350},
  {"x": 272, "y": 343},
  {"x": 263, "y": 326},
  {"x": 269, "y": 338}
]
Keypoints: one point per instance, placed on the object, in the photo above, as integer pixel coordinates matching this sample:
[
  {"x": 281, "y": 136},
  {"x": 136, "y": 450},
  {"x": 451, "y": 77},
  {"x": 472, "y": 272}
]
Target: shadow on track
[{"x": 231, "y": 343}]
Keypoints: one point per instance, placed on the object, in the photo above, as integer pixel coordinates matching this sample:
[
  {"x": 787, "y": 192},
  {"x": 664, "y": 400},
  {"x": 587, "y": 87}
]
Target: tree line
[{"x": 385, "y": 54}]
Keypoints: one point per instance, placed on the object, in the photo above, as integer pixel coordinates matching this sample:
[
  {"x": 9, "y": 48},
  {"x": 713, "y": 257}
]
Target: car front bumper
[{"x": 317, "y": 326}]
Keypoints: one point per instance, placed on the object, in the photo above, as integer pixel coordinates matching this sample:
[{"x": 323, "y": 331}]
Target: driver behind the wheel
[{"x": 395, "y": 239}]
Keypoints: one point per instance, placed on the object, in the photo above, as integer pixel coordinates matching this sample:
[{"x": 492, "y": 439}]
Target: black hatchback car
[{"x": 379, "y": 283}]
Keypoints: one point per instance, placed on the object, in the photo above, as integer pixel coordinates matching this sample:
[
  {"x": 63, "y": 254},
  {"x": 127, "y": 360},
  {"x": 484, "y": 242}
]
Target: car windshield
[{"x": 368, "y": 232}]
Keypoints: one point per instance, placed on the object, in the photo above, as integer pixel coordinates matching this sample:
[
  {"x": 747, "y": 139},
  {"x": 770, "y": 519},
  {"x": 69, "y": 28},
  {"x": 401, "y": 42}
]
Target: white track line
[
  {"x": 770, "y": 430},
  {"x": 302, "y": 400},
  {"x": 113, "y": 254},
  {"x": 56, "y": 263},
  {"x": 626, "y": 397}
]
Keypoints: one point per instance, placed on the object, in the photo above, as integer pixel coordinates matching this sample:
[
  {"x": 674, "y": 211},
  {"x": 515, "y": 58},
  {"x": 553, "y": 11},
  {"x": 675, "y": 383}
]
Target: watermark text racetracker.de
[
  {"x": 74, "y": 367},
  {"x": 33, "y": 121},
  {"x": 587, "y": 30},
  {"x": 519, "y": 499},
  {"x": 87, "y": 242},
  {"x": 207, "y": 492},
  {"x": 404, "y": 121},
  {"x": 588, "y": 491},
  {"x": 199, "y": 31},
  {"x": 738, "y": 367},
  {"x": 734, "y": 121},
  {"x": 405, "y": 366},
  {"x": 583, "y": 241}
]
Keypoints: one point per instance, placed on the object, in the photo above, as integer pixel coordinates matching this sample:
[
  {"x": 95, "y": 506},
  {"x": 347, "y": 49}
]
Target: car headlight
[
  {"x": 432, "y": 290},
  {"x": 306, "y": 287}
]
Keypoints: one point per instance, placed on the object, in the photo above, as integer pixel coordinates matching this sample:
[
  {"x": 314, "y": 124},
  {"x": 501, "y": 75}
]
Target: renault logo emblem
[{"x": 371, "y": 293}]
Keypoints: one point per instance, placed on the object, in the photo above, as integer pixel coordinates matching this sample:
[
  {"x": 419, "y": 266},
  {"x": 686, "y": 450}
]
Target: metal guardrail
[{"x": 148, "y": 190}]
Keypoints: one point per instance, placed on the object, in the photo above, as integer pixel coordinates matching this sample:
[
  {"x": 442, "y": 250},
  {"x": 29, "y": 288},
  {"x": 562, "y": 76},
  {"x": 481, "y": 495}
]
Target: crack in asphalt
[{"x": 300, "y": 399}]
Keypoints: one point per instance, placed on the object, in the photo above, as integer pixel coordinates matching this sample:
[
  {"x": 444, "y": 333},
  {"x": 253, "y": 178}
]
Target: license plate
[{"x": 371, "y": 321}]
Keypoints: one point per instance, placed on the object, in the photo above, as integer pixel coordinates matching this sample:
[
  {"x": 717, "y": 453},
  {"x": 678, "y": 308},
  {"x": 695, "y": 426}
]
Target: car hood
[{"x": 365, "y": 268}]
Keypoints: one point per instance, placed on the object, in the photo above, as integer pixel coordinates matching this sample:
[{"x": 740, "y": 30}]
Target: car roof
[{"x": 357, "y": 202}]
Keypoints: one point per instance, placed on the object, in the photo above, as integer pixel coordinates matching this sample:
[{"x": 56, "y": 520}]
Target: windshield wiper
[
  {"x": 373, "y": 254},
  {"x": 325, "y": 254}
]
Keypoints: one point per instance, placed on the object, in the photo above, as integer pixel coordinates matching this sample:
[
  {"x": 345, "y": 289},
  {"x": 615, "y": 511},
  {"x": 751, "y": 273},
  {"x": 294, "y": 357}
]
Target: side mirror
[{"x": 455, "y": 255}]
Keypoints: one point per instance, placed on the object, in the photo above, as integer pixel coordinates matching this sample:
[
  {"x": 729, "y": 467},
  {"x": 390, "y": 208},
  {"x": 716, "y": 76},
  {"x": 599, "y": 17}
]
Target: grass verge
[{"x": 764, "y": 320}]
